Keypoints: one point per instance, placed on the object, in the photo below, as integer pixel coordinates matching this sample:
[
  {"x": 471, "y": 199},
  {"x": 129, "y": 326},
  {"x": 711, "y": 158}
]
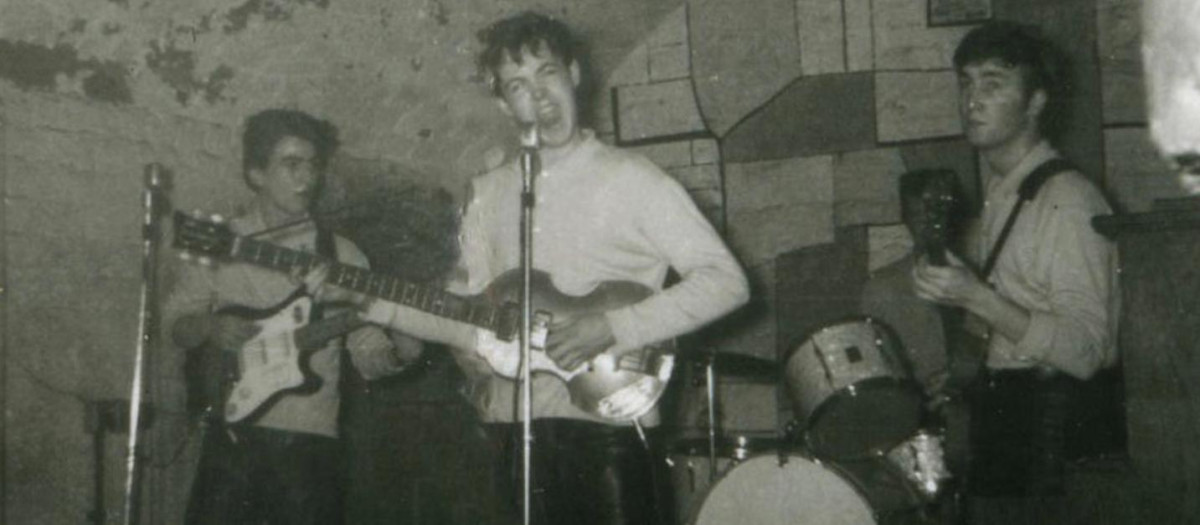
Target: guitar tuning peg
[
  {"x": 197, "y": 214},
  {"x": 218, "y": 218},
  {"x": 186, "y": 256},
  {"x": 205, "y": 260}
]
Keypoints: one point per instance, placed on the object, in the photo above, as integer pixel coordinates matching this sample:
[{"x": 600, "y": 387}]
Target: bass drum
[
  {"x": 851, "y": 390},
  {"x": 761, "y": 491},
  {"x": 692, "y": 468}
]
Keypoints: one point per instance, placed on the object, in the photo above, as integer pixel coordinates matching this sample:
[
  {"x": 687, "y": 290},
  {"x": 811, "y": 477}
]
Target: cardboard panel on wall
[
  {"x": 865, "y": 187},
  {"x": 741, "y": 56},
  {"x": 916, "y": 105},
  {"x": 656, "y": 111},
  {"x": 819, "y": 284},
  {"x": 822, "y": 30},
  {"x": 778, "y": 206},
  {"x": 904, "y": 41},
  {"x": 812, "y": 116}
]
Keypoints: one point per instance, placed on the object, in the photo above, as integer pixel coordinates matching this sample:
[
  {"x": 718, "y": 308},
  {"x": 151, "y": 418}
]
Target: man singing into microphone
[
  {"x": 284, "y": 465},
  {"x": 600, "y": 214}
]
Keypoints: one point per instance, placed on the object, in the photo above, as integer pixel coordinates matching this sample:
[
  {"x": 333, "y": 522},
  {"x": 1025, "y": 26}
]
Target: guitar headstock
[
  {"x": 938, "y": 199},
  {"x": 203, "y": 237}
]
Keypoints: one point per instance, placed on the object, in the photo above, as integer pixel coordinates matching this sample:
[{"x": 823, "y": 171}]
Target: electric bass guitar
[{"x": 617, "y": 388}]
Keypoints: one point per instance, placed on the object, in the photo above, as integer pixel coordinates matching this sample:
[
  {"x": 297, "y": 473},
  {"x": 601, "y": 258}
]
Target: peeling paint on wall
[
  {"x": 271, "y": 10},
  {"x": 436, "y": 10},
  {"x": 35, "y": 67},
  {"x": 177, "y": 68}
]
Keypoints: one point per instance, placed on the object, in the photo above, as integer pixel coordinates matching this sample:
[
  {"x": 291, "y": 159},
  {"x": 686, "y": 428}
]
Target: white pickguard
[
  {"x": 633, "y": 401},
  {"x": 269, "y": 362}
]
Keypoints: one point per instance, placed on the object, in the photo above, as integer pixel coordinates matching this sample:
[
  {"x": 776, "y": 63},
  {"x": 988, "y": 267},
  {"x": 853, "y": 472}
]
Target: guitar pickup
[{"x": 539, "y": 330}]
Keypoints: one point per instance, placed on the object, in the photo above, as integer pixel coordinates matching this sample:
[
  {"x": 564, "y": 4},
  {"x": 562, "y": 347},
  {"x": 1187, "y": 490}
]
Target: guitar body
[
  {"x": 240, "y": 383},
  {"x": 592, "y": 384},
  {"x": 618, "y": 388}
]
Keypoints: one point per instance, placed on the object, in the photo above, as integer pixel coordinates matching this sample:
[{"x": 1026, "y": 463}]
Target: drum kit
[{"x": 855, "y": 453}]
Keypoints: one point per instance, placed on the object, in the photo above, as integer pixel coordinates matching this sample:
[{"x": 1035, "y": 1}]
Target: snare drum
[
  {"x": 761, "y": 491},
  {"x": 851, "y": 391}
]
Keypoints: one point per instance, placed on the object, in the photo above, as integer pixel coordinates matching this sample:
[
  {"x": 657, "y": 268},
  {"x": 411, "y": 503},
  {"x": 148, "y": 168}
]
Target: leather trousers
[
  {"x": 585, "y": 473},
  {"x": 267, "y": 476}
]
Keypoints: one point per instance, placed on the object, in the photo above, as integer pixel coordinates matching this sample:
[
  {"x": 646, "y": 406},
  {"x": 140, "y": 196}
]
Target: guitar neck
[
  {"x": 387, "y": 287},
  {"x": 937, "y": 256}
]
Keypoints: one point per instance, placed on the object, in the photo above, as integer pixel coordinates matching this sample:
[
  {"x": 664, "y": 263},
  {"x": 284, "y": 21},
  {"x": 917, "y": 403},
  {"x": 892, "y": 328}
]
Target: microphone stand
[
  {"x": 529, "y": 169},
  {"x": 710, "y": 383},
  {"x": 155, "y": 176}
]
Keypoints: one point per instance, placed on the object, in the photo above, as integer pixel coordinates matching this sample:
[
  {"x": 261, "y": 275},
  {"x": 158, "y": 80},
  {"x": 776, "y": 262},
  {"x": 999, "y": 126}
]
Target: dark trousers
[
  {"x": 584, "y": 473},
  {"x": 265, "y": 476},
  {"x": 1027, "y": 425}
]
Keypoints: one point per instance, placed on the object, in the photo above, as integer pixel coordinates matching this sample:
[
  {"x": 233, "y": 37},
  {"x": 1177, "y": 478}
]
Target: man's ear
[
  {"x": 1037, "y": 104},
  {"x": 255, "y": 177},
  {"x": 576, "y": 76}
]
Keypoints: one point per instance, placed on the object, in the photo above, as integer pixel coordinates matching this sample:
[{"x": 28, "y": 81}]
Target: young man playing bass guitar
[{"x": 604, "y": 220}]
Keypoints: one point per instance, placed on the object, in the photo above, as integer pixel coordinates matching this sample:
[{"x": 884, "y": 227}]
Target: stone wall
[{"x": 816, "y": 106}]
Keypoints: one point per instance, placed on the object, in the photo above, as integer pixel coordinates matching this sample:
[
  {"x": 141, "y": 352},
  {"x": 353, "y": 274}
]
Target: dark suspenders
[{"x": 1028, "y": 190}]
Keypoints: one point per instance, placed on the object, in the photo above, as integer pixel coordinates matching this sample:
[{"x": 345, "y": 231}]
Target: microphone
[
  {"x": 530, "y": 138},
  {"x": 156, "y": 181},
  {"x": 530, "y": 161}
]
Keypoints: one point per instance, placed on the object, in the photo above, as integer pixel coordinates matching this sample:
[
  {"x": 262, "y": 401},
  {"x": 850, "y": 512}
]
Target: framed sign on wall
[{"x": 956, "y": 12}]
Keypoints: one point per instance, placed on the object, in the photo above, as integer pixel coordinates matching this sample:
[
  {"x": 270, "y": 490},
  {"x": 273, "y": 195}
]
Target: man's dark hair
[
  {"x": 1043, "y": 65},
  {"x": 535, "y": 32},
  {"x": 265, "y": 129}
]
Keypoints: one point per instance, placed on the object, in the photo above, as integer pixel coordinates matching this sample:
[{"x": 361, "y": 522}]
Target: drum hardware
[
  {"x": 715, "y": 365},
  {"x": 851, "y": 391},
  {"x": 920, "y": 459},
  {"x": 747, "y": 368}
]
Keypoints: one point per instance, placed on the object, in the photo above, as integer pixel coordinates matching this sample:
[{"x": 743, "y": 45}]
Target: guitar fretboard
[{"x": 390, "y": 288}]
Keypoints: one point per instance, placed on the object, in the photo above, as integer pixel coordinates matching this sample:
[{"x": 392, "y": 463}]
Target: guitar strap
[
  {"x": 1070, "y": 419},
  {"x": 1025, "y": 193},
  {"x": 326, "y": 247}
]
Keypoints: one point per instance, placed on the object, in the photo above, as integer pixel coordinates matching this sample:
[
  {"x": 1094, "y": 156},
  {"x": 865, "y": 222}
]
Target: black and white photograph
[{"x": 599, "y": 262}]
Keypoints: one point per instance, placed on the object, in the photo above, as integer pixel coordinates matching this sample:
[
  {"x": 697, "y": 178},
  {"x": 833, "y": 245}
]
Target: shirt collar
[
  {"x": 252, "y": 223},
  {"x": 1010, "y": 182},
  {"x": 588, "y": 143}
]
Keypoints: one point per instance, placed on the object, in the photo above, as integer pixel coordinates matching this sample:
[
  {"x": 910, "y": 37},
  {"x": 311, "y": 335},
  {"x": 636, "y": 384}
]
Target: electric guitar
[
  {"x": 966, "y": 351},
  {"x": 238, "y": 384},
  {"x": 617, "y": 388},
  {"x": 965, "y": 334}
]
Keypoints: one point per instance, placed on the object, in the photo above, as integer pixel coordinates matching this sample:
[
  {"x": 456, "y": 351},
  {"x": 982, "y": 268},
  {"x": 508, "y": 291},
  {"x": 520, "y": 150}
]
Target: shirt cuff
[
  {"x": 381, "y": 313},
  {"x": 624, "y": 328},
  {"x": 1038, "y": 339}
]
